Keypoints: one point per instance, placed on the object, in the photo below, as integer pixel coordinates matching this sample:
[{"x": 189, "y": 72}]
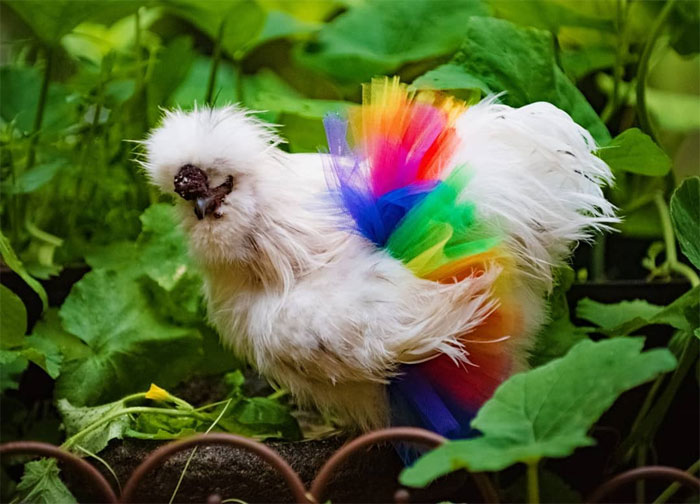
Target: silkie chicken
[{"x": 400, "y": 277}]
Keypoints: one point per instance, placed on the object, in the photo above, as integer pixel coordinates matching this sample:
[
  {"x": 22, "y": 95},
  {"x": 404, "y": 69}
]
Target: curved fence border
[{"x": 325, "y": 473}]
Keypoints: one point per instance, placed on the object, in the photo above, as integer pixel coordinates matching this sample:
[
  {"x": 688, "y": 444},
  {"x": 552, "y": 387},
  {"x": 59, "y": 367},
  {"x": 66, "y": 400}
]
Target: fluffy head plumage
[{"x": 230, "y": 146}]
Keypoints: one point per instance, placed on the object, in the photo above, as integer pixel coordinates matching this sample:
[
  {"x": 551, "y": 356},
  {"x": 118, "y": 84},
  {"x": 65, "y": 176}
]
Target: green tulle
[{"x": 441, "y": 229}]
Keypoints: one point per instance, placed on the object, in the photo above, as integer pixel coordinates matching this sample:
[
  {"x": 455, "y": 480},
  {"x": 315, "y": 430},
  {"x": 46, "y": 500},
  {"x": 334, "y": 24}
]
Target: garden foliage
[{"x": 81, "y": 81}]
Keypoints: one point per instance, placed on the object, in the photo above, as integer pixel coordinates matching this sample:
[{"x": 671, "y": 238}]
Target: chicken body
[{"x": 321, "y": 310}]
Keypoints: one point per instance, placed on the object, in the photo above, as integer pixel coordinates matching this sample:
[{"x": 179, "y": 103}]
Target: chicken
[{"x": 395, "y": 282}]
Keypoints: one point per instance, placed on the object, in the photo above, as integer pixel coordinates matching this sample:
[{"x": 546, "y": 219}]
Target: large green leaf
[
  {"x": 131, "y": 346},
  {"x": 685, "y": 214},
  {"x": 13, "y": 319},
  {"x": 41, "y": 484},
  {"x": 629, "y": 316},
  {"x": 549, "y": 15},
  {"x": 51, "y": 19},
  {"x": 279, "y": 24},
  {"x": 172, "y": 66},
  {"x": 500, "y": 56},
  {"x": 301, "y": 117},
  {"x": 378, "y": 37},
  {"x": 193, "y": 88},
  {"x": 546, "y": 412},
  {"x": 235, "y": 22},
  {"x": 635, "y": 152}
]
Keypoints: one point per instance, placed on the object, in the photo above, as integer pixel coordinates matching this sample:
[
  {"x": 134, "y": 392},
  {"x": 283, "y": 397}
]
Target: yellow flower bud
[{"x": 157, "y": 394}]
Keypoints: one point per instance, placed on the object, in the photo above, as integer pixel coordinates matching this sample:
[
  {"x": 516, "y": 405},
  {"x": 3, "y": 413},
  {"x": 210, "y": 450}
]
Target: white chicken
[{"x": 296, "y": 284}]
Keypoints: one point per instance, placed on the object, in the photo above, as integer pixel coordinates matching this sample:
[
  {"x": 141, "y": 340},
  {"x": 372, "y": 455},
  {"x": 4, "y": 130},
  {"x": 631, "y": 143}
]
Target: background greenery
[{"x": 80, "y": 81}]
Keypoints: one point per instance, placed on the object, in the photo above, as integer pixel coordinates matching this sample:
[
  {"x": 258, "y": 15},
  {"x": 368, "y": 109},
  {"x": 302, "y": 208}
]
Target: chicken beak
[{"x": 201, "y": 206}]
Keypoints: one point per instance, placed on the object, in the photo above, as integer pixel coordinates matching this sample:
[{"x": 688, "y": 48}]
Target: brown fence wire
[{"x": 316, "y": 493}]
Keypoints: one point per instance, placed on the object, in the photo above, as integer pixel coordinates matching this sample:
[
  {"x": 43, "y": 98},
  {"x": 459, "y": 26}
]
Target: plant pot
[{"x": 370, "y": 475}]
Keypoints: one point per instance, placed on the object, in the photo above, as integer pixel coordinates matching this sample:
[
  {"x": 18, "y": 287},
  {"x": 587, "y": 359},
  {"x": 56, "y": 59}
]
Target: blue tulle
[
  {"x": 416, "y": 400},
  {"x": 375, "y": 218}
]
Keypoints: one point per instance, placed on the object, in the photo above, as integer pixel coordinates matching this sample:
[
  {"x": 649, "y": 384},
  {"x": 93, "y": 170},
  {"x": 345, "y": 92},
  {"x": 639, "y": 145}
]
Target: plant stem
[
  {"x": 104, "y": 463},
  {"x": 40, "y": 108},
  {"x": 640, "y": 487},
  {"x": 216, "y": 58},
  {"x": 673, "y": 487},
  {"x": 239, "y": 83},
  {"x": 194, "y": 450},
  {"x": 648, "y": 401},
  {"x": 672, "y": 262},
  {"x": 533, "y": 486},
  {"x": 137, "y": 49},
  {"x": 278, "y": 393},
  {"x": 643, "y": 69},
  {"x": 620, "y": 56},
  {"x": 598, "y": 260},
  {"x": 645, "y": 427},
  {"x": 212, "y": 405}
]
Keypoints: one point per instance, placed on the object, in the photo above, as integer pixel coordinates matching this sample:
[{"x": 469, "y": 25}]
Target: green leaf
[
  {"x": 129, "y": 342},
  {"x": 49, "y": 328},
  {"x": 35, "y": 178},
  {"x": 685, "y": 214},
  {"x": 171, "y": 68},
  {"x": 75, "y": 419},
  {"x": 51, "y": 19},
  {"x": 635, "y": 152},
  {"x": 182, "y": 304},
  {"x": 378, "y": 37},
  {"x": 278, "y": 25},
  {"x": 584, "y": 61},
  {"x": 549, "y": 15},
  {"x": 547, "y": 411},
  {"x": 12, "y": 365},
  {"x": 241, "y": 20},
  {"x": 164, "y": 256},
  {"x": 156, "y": 426},
  {"x": 123, "y": 256},
  {"x": 500, "y": 56},
  {"x": 13, "y": 262},
  {"x": 41, "y": 484},
  {"x": 44, "y": 353},
  {"x": 451, "y": 76},
  {"x": 194, "y": 86},
  {"x": 260, "y": 417},
  {"x": 13, "y": 319},
  {"x": 159, "y": 253},
  {"x": 685, "y": 31},
  {"x": 302, "y": 107},
  {"x": 629, "y": 316}
]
